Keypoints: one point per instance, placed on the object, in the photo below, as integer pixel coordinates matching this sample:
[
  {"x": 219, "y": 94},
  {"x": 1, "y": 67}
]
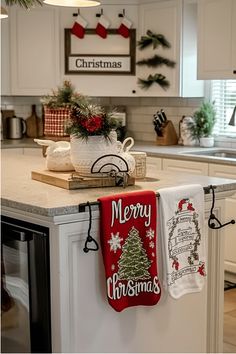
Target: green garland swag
[
  {"x": 157, "y": 78},
  {"x": 153, "y": 39},
  {"x": 156, "y": 61}
]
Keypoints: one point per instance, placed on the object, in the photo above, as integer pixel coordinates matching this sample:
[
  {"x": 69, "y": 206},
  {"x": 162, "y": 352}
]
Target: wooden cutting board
[
  {"x": 34, "y": 125},
  {"x": 71, "y": 180}
]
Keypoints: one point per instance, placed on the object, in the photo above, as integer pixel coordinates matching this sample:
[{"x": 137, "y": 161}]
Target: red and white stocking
[
  {"x": 102, "y": 26},
  {"x": 79, "y": 26},
  {"x": 128, "y": 243},
  {"x": 124, "y": 29}
]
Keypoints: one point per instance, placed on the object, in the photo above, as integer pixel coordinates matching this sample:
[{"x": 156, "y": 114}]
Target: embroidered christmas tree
[{"x": 133, "y": 263}]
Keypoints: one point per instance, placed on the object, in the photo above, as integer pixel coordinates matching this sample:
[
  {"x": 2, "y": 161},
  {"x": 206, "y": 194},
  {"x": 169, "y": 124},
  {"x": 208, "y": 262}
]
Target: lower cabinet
[
  {"x": 197, "y": 168},
  {"x": 83, "y": 321},
  {"x": 230, "y": 240},
  {"x": 227, "y": 171},
  {"x": 213, "y": 170},
  {"x": 222, "y": 171}
]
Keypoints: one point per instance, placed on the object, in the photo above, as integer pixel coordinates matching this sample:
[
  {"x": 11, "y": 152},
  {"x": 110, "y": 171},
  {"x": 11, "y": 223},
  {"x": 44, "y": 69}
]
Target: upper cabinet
[
  {"x": 5, "y": 58},
  {"x": 162, "y": 18},
  {"x": 217, "y": 39},
  {"x": 34, "y": 50},
  {"x": 37, "y": 49},
  {"x": 177, "y": 21}
]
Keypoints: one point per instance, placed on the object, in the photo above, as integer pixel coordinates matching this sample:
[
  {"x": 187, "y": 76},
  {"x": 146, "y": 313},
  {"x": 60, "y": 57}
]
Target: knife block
[{"x": 169, "y": 135}]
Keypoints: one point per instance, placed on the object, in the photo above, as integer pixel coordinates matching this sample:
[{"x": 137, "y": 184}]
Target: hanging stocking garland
[
  {"x": 156, "y": 61},
  {"x": 153, "y": 39},
  {"x": 157, "y": 78}
]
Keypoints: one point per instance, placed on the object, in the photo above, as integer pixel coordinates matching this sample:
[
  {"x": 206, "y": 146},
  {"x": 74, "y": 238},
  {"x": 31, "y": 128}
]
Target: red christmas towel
[{"x": 128, "y": 242}]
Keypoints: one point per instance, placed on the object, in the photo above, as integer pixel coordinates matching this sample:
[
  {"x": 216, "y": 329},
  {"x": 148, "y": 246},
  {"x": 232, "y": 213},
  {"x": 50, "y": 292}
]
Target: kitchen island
[{"x": 82, "y": 320}]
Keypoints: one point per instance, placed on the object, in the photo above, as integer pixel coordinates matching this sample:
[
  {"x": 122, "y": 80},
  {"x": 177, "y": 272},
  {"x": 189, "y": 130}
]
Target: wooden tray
[{"x": 71, "y": 180}]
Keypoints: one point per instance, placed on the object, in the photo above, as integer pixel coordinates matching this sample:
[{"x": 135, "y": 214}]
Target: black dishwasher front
[{"x": 25, "y": 287}]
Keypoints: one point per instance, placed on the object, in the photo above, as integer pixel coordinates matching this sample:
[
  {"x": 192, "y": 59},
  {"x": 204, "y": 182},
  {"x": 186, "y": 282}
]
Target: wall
[{"x": 139, "y": 110}]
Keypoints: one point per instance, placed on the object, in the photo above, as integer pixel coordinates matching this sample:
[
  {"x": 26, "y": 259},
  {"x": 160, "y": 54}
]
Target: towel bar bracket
[{"x": 213, "y": 222}]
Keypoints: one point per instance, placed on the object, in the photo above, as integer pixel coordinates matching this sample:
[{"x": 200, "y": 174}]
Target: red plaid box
[{"x": 54, "y": 121}]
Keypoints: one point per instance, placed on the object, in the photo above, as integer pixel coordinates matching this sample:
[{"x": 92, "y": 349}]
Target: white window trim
[{"x": 219, "y": 137}]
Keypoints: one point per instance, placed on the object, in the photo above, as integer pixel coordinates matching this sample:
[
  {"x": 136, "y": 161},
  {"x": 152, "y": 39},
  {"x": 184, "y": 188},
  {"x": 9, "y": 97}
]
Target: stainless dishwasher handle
[{"x": 19, "y": 234}]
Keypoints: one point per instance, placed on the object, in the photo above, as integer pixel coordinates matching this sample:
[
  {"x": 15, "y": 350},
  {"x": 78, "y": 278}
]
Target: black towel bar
[{"x": 82, "y": 206}]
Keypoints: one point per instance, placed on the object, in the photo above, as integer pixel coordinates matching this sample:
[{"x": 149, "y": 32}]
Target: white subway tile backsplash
[
  {"x": 178, "y": 101},
  {"x": 140, "y": 111},
  {"x": 10, "y": 106},
  {"x": 222, "y": 144},
  {"x": 125, "y": 101},
  {"x": 139, "y": 127},
  {"x": 194, "y": 102},
  {"x": 233, "y": 145}
]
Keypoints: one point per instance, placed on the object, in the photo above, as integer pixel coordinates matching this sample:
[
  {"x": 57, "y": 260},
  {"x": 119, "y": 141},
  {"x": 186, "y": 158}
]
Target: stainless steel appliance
[
  {"x": 16, "y": 128},
  {"x": 25, "y": 288}
]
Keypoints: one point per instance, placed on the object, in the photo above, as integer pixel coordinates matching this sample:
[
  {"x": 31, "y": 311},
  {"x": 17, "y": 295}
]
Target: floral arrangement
[{"x": 86, "y": 119}]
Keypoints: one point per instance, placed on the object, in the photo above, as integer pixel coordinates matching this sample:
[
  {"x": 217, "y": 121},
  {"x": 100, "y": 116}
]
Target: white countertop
[{"x": 19, "y": 191}]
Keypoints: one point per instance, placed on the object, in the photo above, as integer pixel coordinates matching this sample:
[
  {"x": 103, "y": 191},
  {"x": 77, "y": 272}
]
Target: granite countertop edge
[{"x": 74, "y": 209}]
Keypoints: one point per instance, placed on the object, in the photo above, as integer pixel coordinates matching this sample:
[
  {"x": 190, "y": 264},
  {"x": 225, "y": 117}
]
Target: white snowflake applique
[
  {"x": 115, "y": 242},
  {"x": 153, "y": 254},
  {"x": 150, "y": 233},
  {"x": 151, "y": 244}
]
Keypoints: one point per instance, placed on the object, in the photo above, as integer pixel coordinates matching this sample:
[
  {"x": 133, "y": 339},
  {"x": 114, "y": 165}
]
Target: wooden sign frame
[{"x": 131, "y": 55}]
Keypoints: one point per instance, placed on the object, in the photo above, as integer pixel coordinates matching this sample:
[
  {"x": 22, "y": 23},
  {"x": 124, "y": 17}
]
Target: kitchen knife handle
[
  {"x": 161, "y": 118},
  {"x": 164, "y": 115}
]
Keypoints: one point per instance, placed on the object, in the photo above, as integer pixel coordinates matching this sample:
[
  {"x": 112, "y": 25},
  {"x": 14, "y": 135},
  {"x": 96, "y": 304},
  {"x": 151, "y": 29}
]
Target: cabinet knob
[
  {"x": 133, "y": 91},
  {"x": 234, "y": 72}
]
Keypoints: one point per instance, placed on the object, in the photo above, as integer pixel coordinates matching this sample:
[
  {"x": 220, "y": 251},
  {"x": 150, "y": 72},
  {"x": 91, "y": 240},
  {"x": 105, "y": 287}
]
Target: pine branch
[
  {"x": 145, "y": 84},
  {"x": 157, "y": 78},
  {"x": 144, "y": 42},
  {"x": 153, "y": 39},
  {"x": 159, "y": 38},
  {"x": 27, "y": 4},
  {"x": 156, "y": 61}
]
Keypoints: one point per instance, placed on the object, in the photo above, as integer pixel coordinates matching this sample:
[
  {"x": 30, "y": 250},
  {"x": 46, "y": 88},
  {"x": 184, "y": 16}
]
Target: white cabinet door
[
  {"x": 190, "y": 86},
  {"x": 83, "y": 321},
  {"x": 230, "y": 237},
  {"x": 177, "y": 21},
  {"x": 217, "y": 39},
  {"x": 197, "y": 168},
  {"x": 229, "y": 232},
  {"x": 96, "y": 84},
  {"x": 224, "y": 171},
  {"x": 164, "y": 18},
  {"x": 5, "y": 58},
  {"x": 34, "y": 46}
]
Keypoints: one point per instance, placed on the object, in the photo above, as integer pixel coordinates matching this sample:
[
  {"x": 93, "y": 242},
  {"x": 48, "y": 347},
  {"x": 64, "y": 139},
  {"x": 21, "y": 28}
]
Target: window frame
[{"x": 208, "y": 96}]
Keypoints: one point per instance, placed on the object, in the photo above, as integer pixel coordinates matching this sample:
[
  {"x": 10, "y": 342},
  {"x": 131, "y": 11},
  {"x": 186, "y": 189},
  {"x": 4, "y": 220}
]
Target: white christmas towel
[{"x": 183, "y": 238}]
